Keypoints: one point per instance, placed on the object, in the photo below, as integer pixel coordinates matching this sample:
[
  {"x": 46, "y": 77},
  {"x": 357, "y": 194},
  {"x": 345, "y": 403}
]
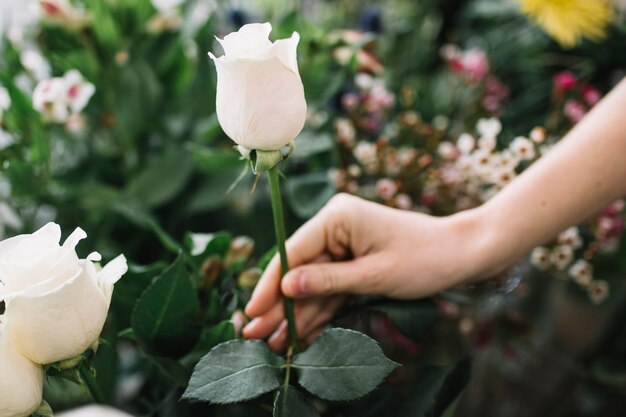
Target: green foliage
[
  {"x": 291, "y": 403},
  {"x": 308, "y": 193},
  {"x": 164, "y": 316},
  {"x": 235, "y": 371},
  {"x": 413, "y": 318},
  {"x": 342, "y": 365}
]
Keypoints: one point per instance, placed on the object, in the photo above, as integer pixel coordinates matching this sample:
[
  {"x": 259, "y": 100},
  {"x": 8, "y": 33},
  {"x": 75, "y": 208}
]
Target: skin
[{"x": 357, "y": 247}]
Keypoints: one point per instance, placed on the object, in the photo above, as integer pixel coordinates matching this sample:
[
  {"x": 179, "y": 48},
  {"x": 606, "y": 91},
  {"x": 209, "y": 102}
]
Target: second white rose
[
  {"x": 56, "y": 303},
  {"x": 260, "y": 96}
]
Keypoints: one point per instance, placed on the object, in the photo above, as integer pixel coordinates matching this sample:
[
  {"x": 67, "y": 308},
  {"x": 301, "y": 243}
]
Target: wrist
[{"x": 480, "y": 251}]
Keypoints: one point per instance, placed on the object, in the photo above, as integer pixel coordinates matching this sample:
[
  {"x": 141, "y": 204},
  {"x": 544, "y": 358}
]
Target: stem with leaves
[{"x": 279, "y": 229}]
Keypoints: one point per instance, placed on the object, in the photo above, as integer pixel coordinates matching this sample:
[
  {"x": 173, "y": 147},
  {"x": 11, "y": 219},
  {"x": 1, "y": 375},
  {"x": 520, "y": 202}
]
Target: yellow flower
[{"x": 569, "y": 20}]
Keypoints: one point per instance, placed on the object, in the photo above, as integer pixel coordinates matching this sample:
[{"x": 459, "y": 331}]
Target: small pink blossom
[
  {"x": 350, "y": 101},
  {"x": 591, "y": 95},
  {"x": 574, "y": 110},
  {"x": 386, "y": 188},
  {"x": 404, "y": 202},
  {"x": 565, "y": 80}
]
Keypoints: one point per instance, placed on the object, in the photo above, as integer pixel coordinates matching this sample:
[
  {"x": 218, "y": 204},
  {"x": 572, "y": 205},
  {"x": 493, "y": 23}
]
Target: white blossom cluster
[{"x": 60, "y": 99}]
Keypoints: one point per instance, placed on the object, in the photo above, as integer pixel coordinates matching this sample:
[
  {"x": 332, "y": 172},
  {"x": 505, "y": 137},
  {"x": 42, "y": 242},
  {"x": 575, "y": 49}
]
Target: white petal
[
  {"x": 94, "y": 411},
  {"x": 94, "y": 257},
  {"x": 110, "y": 274},
  {"x": 285, "y": 50},
  {"x": 250, "y": 42},
  {"x": 260, "y": 104},
  {"x": 59, "y": 324},
  {"x": 21, "y": 381}
]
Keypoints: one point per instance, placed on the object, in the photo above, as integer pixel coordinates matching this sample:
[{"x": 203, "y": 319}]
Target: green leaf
[
  {"x": 202, "y": 245},
  {"x": 213, "y": 191},
  {"x": 163, "y": 316},
  {"x": 412, "y": 318},
  {"x": 162, "y": 180},
  {"x": 209, "y": 338},
  {"x": 423, "y": 394},
  {"x": 235, "y": 371},
  {"x": 140, "y": 217},
  {"x": 291, "y": 403},
  {"x": 342, "y": 365},
  {"x": 214, "y": 160},
  {"x": 312, "y": 143},
  {"x": 308, "y": 193},
  {"x": 173, "y": 369}
]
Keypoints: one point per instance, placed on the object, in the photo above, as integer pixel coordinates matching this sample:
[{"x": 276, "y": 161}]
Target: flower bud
[{"x": 260, "y": 96}]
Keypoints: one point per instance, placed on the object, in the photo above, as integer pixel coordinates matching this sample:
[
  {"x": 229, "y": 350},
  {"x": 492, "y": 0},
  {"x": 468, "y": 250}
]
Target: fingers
[
  {"x": 359, "y": 276},
  {"x": 309, "y": 318},
  {"x": 262, "y": 326},
  {"x": 306, "y": 245}
]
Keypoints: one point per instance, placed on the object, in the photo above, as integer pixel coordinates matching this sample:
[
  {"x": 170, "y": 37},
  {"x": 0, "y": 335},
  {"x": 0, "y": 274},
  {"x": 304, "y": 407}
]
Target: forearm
[{"x": 585, "y": 172}]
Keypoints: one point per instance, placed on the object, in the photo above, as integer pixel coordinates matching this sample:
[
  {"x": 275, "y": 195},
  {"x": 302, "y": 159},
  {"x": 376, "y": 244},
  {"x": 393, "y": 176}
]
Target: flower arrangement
[{"x": 112, "y": 118}]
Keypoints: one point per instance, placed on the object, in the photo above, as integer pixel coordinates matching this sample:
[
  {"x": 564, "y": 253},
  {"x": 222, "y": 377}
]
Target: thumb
[{"x": 359, "y": 276}]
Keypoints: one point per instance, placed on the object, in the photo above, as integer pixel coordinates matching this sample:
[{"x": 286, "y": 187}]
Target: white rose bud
[
  {"x": 21, "y": 383},
  {"x": 260, "y": 96},
  {"x": 56, "y": 303}
]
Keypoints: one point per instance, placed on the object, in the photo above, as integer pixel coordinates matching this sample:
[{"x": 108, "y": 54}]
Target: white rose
[
  {"x": 56, "y": 303},
  {"x": 260, "y": 97},
  {"x": 21, "y": 383},
  {"x": 94, "y": 411}
]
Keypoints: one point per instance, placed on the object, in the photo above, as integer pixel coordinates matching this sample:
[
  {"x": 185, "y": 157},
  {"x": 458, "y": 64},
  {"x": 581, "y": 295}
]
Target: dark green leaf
[
  {"x": 422, "y": 398},
  {"x": 413, "y": 318},
  {"x": 235, "y": 371},
  {"x": 172, "y": 369},
  {"x": 455, "y": 383},
  {"x": 214, "y": 193},
  {"x": 291, "y": 403},
  {"x": 140, "y": 217},
  {"x": 209, "y": 338},
  {"x": 162, "y": 180},
  {"x": 312, "y": 143},
  {"x": 163, "y": 316},
  {"x": 342, "y": 365},
  {"x": 202, "y": 245},
  {"x": 308, "y": 193},
  {"x": 213, "y": 160}
]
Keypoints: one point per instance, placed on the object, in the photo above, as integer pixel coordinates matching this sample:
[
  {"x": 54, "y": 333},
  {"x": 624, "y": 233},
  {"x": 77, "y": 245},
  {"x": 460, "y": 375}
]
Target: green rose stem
[
  {"x": 90, "y": 382},
  {"x": 279, "y": 229}
]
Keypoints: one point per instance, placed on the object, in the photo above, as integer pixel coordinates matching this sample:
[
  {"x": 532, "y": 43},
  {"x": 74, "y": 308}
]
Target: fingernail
[
  {"x": 275, "y": 336},
  {"x": 298, "y": 282},
  {"x": 250, "y": 327}
]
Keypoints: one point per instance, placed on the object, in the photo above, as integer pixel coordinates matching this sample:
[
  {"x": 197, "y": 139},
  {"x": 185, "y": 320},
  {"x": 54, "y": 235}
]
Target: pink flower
[
  {"x": 574, "y": 110},
  {"x": 591, "y": 95},
  {"x": 428, "y": 200},
  {"x": 404, "y": 202},
  {"x": 386, "y": 188},
  {"x": 350, "y": 101},
  {"x": 565, "y": 80}
]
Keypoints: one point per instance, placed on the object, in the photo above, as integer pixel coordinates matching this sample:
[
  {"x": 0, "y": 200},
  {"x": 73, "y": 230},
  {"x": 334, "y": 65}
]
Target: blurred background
[{"x": 107, "y": 122}]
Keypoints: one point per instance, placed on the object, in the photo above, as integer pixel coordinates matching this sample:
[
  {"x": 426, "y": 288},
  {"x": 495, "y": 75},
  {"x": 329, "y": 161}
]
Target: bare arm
[
  {"x": 409, "y": 255},
  {"x": 584, "y": 173}
]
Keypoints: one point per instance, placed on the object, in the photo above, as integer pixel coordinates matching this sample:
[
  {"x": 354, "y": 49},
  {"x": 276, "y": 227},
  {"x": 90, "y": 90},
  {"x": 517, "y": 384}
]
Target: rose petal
[
  {"x": 285, "y": 50},
  {"x": 21, "y": 384},
  {"x": 250, "y": 42},
  {"x": 94, "y": 411},
  {"x": 260, "y": 104},
  {"x": 59, "y": 324},
  {"x": 110, "y": 274}
]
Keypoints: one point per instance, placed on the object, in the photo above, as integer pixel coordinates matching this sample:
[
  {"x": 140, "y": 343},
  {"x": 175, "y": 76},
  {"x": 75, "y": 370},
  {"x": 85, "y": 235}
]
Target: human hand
[{"x": 376, "y": 250}]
